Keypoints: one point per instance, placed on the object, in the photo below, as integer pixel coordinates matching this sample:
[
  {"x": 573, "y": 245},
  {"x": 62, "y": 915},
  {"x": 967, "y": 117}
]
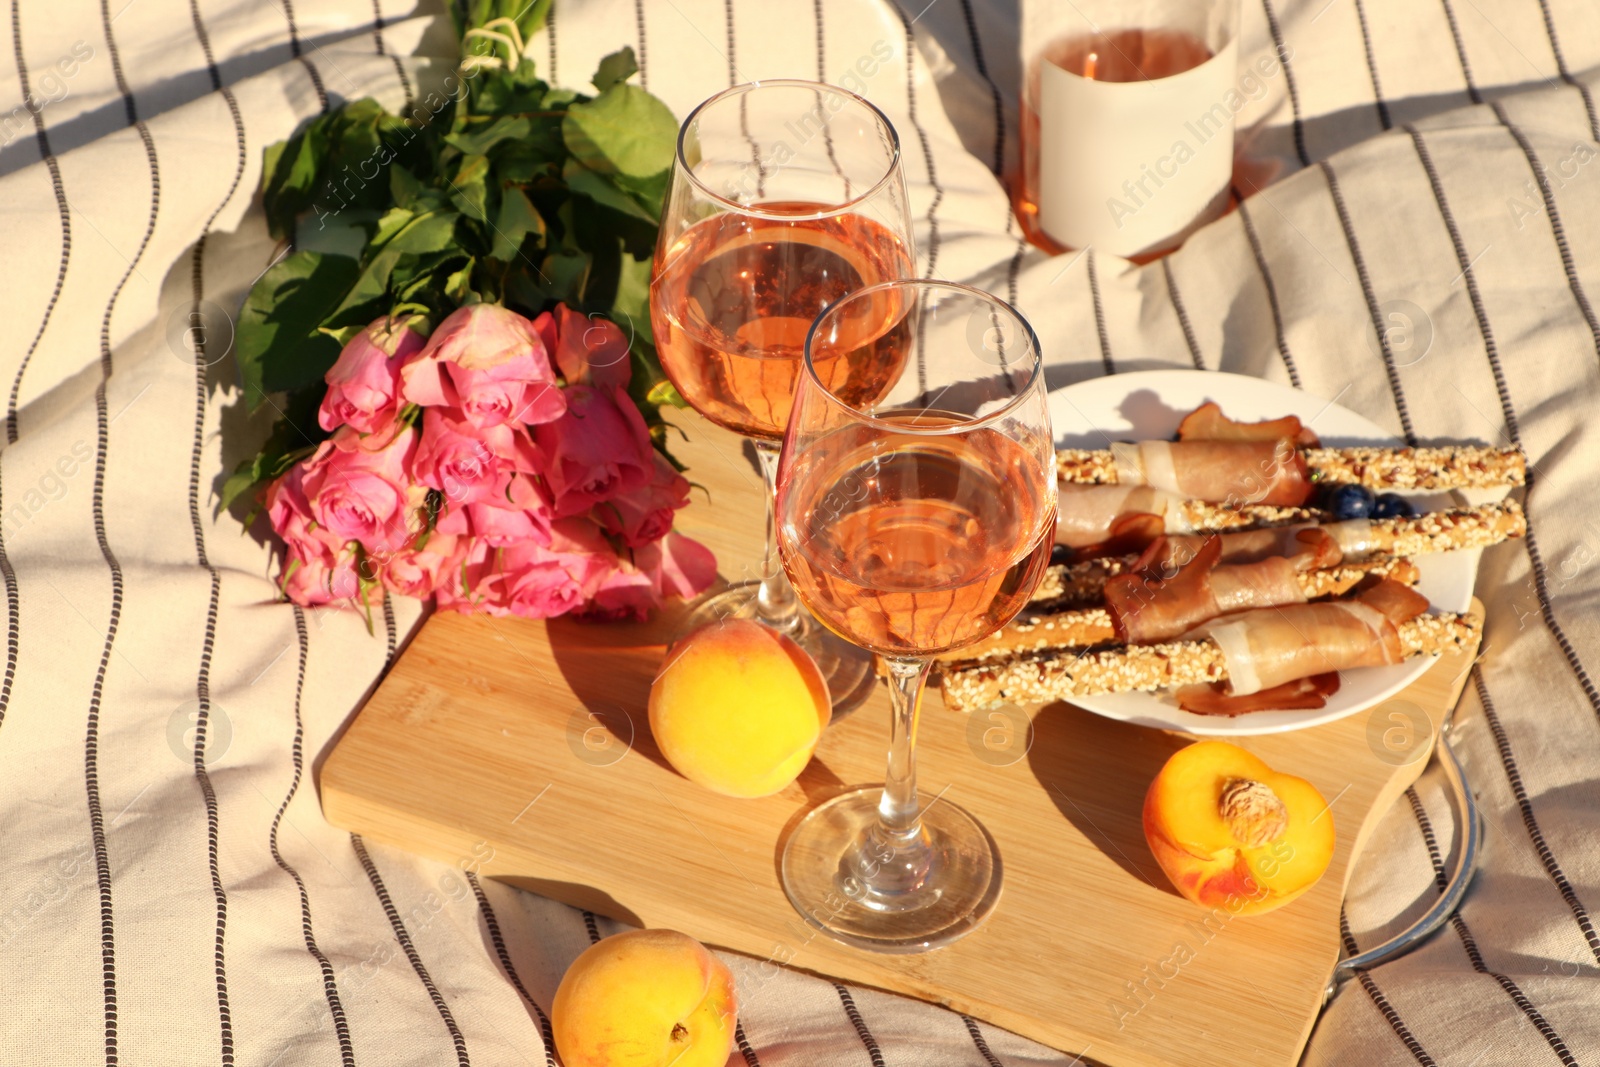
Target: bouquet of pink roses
[{"x": 460, "y": 466}]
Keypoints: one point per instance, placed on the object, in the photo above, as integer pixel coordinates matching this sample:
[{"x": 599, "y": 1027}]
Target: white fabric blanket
[{"x": 150, "y": 914}]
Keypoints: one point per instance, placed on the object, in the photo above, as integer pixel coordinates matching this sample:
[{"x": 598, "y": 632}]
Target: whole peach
[
  {"x": 645, "y": 998},
  {"x": 738, "y": 708}
]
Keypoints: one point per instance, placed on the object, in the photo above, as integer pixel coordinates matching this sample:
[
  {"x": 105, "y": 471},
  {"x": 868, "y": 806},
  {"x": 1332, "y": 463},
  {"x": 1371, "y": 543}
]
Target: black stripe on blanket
[
  {"x": 1508, "y": 411},
  {"x": 638, "y": 19},
  {"x": 65, "y": 211},
  {"x": 1381, "y": 1002},
  {"x": 868, "y": 1042},
  {"x": 550, "y": 40},
  {"x": 1099, "y": 312},
  {"x": 1372, "y": 67},
  {"x": 1371, "y": 298},
  {"x": 399, "y": 67},
  {"x": 208, "y": 646},
  {"x": 822, "y": 76},
  {"x": 1566, "y": 75},
  {"x": 503, "y": 954},
  {"x": 1183, "y": 315},
  {"x": 1557, "y": 229},
  {"x": 13, "y": 595},
  {"x": 91, "y": 742},
  {"x": 998, "y": 163},
  {"x": 981, "y": 65},
  {"x": 922, "y": 140},
  {"x": 1289, "y": 83},
  {"x": 1547, "y": 858},
  {"x": 1271, "y": 288},
  {"x": 330, "y": 983},
  {"x": 1461, "y": 52},
  {"x": 979, "y": 1043},
  {"x": 745, "y": 1048},
  {"x": 1475, "y": 956},
  {"x": 401, "y": 935},
  {"x": 294, "y": 50}
]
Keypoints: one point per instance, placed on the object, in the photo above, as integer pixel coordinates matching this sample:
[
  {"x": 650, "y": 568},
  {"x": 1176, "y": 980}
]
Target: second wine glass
[
  {"x": 913, "y": 521},
  {"x": 785, "y": 196}
]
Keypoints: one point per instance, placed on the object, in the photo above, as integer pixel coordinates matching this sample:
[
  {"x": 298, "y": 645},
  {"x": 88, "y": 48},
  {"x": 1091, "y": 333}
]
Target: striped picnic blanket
[{"x": 1428, "y": 253}]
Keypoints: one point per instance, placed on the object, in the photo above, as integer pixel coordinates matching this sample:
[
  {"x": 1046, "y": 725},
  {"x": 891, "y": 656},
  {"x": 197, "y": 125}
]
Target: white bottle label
[{"x": 1132, "y": 167}]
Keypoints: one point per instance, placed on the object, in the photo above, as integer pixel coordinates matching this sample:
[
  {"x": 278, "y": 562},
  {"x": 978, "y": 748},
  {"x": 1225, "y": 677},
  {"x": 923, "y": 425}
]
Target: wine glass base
[
  {"x": 846, "y": 669},
  {"x": 958, "y": 886}
]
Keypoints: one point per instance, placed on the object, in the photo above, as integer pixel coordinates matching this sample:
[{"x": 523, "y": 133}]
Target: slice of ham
[
  {"x": 1268, "y": 647},
  {"x": 1219, "y": 472},
  {"x": 1208, "y": 423},
  {"x": 1156, "y": 601},
  {"x": 1307, "y": 547},
  {"x": 1088, "y": 515},
  {"x": 1302, "y": 694}
]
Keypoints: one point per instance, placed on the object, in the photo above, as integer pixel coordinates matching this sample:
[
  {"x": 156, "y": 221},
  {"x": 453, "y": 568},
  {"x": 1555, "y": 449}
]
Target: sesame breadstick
[
  {"x": 1453, "y": 467},
  {"x": 1062, "y": 675}
]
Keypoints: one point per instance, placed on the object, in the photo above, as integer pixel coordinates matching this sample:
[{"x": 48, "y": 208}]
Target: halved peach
[{"x": 1232, "y": 833}]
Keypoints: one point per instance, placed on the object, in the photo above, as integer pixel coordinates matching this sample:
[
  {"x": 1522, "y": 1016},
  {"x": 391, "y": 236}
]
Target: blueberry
[
  {"x": 1392, "y": 506},
  {"x": 1060, "y": 554},
  {"x": 1350, "y": 501}
]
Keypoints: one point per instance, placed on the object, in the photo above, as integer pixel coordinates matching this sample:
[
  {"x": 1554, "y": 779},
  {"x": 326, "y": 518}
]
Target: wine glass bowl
[
  {"x": 914, "y": 519},
  {"x": 785, "y": 197}
]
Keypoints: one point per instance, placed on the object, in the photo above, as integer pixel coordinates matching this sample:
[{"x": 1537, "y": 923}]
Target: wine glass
[
  {"x": 912, "y": 520},
  {"x": 785, "y": 196}
]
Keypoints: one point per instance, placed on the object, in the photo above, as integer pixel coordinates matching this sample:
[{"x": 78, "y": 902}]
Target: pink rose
[
  {"x": 624, "y": 593},
  {"x": 518, "y": 512},
  {"x": 588, "y": 350},
  {"x": 677, "y": 565},
  {"x": 362, "y": 495},
  {"x": 490, "y": 363},
  {"x": 323, "y": 577},
  {"x": 363, "y": 383},
  {"x": 646, "y": 515},
  {"x": 417, "y": 572},
  {"x": 673, "y": 566},
  {"x": 523, "y": 579},
  {"x": 468, "y": 463},
  {"x": 600, "y": 448},
  {"x": 290, "y": 513}
]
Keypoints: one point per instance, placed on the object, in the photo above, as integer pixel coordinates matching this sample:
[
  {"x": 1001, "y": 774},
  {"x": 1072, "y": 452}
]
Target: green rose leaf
[
  {"x": 601, "y": 190},
  {"x": 433, "y": 232},
  {"x": 291, "y": 169},
  {"x": 517, "y": 219},
  {"x": 486, "y": 136},
  {"x": 624, "y": 130},
  {"x": 469, "y": 189},
  {"x": 278, "y": 345},
  {"x": 619, "y": 66}
]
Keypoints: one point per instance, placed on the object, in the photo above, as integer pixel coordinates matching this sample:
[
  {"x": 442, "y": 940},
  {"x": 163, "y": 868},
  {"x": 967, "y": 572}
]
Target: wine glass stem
[
  {"x": 776, "y": 604},
  {"x": 897, "y": 809}
]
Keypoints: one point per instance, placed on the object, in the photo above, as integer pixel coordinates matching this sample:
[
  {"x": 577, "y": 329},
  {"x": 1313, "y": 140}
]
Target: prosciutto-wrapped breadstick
[
  {"x": 1274, "y": 472},
  {"x": 1100, "y": 518},
  {"x": 1222, "y": 472},
  {"x": 1252, "y": 652},
  {"x": 1084, "y": 627},
  {"x": 1358, "y": 539}
]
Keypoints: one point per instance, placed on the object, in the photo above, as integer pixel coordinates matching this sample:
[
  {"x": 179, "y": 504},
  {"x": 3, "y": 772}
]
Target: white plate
[{"x": 1149, "y": 404}]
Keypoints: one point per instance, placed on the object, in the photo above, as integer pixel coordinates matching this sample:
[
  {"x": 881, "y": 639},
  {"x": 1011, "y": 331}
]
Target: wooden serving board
[{"x": 532, "y": 739}]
